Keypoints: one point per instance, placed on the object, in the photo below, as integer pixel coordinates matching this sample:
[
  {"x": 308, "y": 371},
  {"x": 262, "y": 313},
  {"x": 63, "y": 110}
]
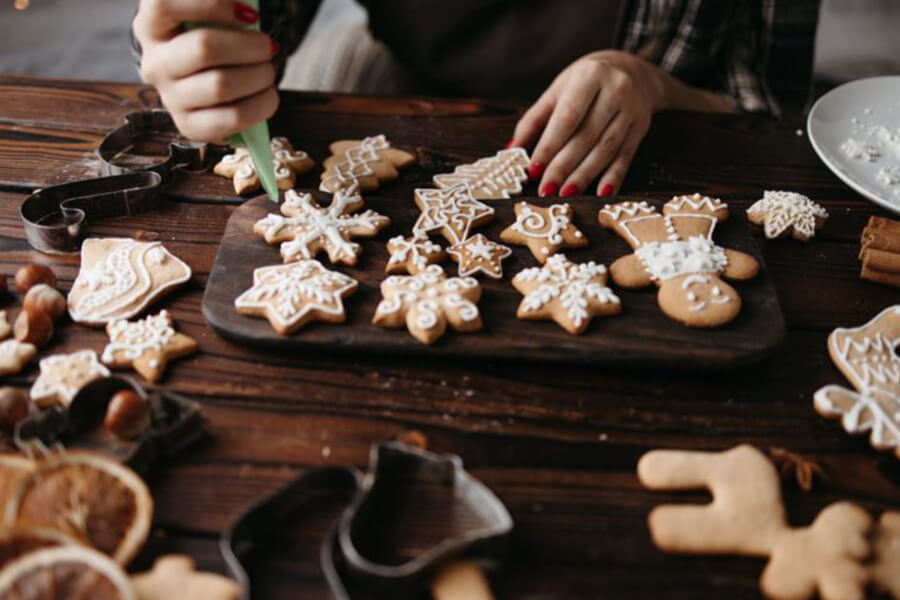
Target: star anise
[{"x": 804, "y": 471}]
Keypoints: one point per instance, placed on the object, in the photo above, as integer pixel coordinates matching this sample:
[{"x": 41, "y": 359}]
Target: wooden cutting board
[{"x": 640, "y": 335}]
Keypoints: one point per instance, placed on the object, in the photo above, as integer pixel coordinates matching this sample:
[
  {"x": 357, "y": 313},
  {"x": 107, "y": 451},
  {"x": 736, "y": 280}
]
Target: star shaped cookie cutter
[
  {"x": 346, "y": 552},
  {"x": 55, "y": 217}
]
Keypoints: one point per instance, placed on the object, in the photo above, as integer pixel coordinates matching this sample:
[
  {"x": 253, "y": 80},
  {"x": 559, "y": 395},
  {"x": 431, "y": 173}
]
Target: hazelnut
[
  {"x": 13, "y": 408},
  {"x": 34, "y": 328},
  {"x": 31, "y": 275},
  {"x": 128, "y": 415},
  {"x": 45, "y": 299}
]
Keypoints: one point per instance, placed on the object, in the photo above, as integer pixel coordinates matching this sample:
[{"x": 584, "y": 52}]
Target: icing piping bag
[{"x": 256, "y": 139}]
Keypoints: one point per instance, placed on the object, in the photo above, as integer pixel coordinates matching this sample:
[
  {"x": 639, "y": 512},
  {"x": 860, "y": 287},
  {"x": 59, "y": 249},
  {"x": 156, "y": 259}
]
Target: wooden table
[{"x": 558, "y": 445}]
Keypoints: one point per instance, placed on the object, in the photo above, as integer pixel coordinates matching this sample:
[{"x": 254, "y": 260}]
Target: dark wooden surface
[
  {"x": 640, "y": 336},
  {"x": 557, "y": 443}
]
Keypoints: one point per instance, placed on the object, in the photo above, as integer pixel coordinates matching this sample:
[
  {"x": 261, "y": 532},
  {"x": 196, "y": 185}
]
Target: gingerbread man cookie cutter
[
  {"x": 56, "y": 217},
  {"x": 176, "y": 424},
  {"x": 345, "y": 551}
]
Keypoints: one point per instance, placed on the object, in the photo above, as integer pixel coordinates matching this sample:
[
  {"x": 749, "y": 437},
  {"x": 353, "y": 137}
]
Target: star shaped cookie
[
  {"x": 783, "y": 214},
  {"x": 545, "y": 230},
  {"x": 570, "y": 294},
  {"x": 292, "y": 295},
  {"x": 289, "y": 163},
  {"x": 452, "y": 211},
  {"x": 412, "y": 254},
  {"x": 304, "y": 228},
  {"x": 478, "y": 254},
  {"x": 176, "y": 576},
  {"x": 146, "y": 345},
  {"x": 14, "y": 355},
  {"x": 62, "y": 375}
]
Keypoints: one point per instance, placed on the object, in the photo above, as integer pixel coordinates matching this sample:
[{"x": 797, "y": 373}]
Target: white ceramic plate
[{"x": 867, "y": 111}]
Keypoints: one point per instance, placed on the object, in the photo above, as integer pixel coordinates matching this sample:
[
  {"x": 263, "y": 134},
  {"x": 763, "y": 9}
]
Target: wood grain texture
[{"x": 558, "y": 443}]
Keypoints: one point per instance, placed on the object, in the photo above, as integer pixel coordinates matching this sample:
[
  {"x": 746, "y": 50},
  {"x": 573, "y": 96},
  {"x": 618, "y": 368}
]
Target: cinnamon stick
[
  {"x": 880, "y": 276},
  {"x": 881, "y": 234},
  {"x": 881, "y": 260}
]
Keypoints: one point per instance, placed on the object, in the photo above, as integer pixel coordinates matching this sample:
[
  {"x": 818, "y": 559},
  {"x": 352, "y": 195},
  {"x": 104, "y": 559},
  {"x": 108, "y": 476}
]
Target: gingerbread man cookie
[
  {"x": 492, "y": 178},
  {"x": 176, "y": 576},
  {"x": 867, "y": 356},
  {"x": 783, "y": 214},
  {"x": 146, "y": 345},
  {"x": 477, "y": 254},
  {"x": 364, "y": 163},
  {"x": 675, "y": 251},
  {"x": 304, "y": 228},
  {"x": 747, "y": 517},
  {"x": 545, "y": 230},
  {"x": 886, "y": 566},
  {"x": 62, "y": 375},
  {"x": 14, "y": 355},
  {"x": 412, "y": 254},
  {"x": 426, "y": 303},
  {"x": 289, "y": 163},
  {"x": 453, "y": 212},
  {"x": 292, "y": 295},
  {"x": 120, "y": 277}
]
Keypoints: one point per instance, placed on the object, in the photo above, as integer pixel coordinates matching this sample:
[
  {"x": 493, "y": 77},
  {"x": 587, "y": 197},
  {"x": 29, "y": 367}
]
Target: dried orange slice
[
  {"x": 19, "y": 540},
  {"x": 65, "y": 573},
  {"x": 90, "y": 497},
  {"x": 12, "y": 469}
]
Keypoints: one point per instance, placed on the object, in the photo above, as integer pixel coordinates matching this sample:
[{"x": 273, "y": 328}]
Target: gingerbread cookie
[
  {"x": 176, "y": 576},
  {"x": 365, "y": 163},
  {"x": 5, "y": 329},
  {"x": 14, "y": 355},
  {"x": 675, "y": 251},
  {"x": 292, "y": 295},
  {"x": 427, "y": 302},
  {"x": 412, "y": 254},
  {"x": 453, "y": 212},
  {"x": 783, "y": 214},
  {"x": 885, "y": 569},
  {"x": 477, "y": 254},
  {"x": 747, "y": 517},
  {"x": 492, "y": 178},
  {"x": 146, "y": 345},
  {"x": 867, "y": 356},
  {"x": 545, "y": 230},
  {"x": 62, "y": 375},
  {"x": 120, "y": 277},
  {"x": 304, "y": 228},
  {"x": 289, "y": 163},
  {"x": 568, "y": 293}
]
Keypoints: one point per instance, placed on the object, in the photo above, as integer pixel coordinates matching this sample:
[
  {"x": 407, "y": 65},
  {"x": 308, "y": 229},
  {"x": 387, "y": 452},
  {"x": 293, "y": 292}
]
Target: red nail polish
[
  {"x": 570, "y": 189},
  {"x": 548, "y": 189},
  {"x": 510, "y": 143},
  {"x": 245, "y": 13},
  {"x": 535, "y": 171},
  {"x": 606, "y": 190},
  {"x": 275, "y": 47}
]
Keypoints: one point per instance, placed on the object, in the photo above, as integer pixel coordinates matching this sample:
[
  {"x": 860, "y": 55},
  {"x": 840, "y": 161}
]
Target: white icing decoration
[
  {"x": 785, "y": 210},
  {"x": 479, "y": 254},
  {"x": 62, "y": 375},
  {"x": 453, "y": 211},
  {"x": 428, "y": 294},
  {"x": 666, "y": 260},
  {"x": 416, "y": 249},
  {"x": 533, "y": 224},
  {"x": 696, "y": 202},
  {"x": 133, "y": 339},
  {"x": 357, "y": 163},
  {"x": 492, "y": 178},
  {"x": 629, "y": 209}
]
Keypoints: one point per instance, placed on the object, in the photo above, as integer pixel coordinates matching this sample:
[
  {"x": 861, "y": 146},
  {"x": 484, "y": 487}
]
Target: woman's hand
[
  {"x": 214, "y": 82},
  {"x": 592, "y": 118}
]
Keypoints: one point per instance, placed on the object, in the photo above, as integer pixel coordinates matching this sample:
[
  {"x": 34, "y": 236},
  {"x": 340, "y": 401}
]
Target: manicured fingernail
[
  {"x": 275, "y": 47},
  {"x": 510, "y": 143},
  {"x": 606, "y": 190},
  {"x": 570, "y": 189},
  {"x": 535, "y": 171},
  {"x": 245, "y": 13},
  {"x": 548, "y": 189}
]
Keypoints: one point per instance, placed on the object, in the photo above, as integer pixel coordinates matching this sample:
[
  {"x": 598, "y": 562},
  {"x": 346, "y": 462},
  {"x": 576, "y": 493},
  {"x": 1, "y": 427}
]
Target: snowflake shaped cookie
[
  {"x": 146, "y": 345},
  {"x": 867, "y": 356},
  {"x": 787, "y": 213},
  {"x": 363, "y": 164},
  {"x": 426, "y": 303},
  {"x": 292, "y": 295},
  {"x": 289, "y": 163},
  {"x": 453, "y": 212},
  {"x": 14, "y": 355},
  {"x": 492, "y": 178},
  {"x": 412, "y": 254},
  {"x": 544, "y": 230},
  {"x": 570, "y": 294},
  {"x": 478, "y": 254},
  {"x": 304, "y": 228},
  {"x": 62, "y": 375}
]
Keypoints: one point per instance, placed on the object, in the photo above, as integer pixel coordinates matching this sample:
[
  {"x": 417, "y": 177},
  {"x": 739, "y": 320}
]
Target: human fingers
[
  {"x": 220, "y": 86},
  {"x": 219, "y": 122},
  {"x": 600, "y": 156},
  {"x": 615, "y": 174},
  {"x": 162, "y": 19},
  {"x": 202, "y": 49}
]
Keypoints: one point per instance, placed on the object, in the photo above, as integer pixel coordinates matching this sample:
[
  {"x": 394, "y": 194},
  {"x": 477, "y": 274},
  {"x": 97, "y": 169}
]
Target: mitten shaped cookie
[{"x": 675, "y": 251}]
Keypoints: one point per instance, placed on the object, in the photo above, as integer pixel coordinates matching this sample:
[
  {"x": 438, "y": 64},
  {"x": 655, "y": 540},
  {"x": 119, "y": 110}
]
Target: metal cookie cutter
[
  {"x": 56, "y": 217},
  {"x": 477, "y": 523},
  {"x": 176, "y": 424}
]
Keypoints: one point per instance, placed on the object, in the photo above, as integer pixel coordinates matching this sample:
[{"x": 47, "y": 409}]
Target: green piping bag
[{"x": 256, "y": 139}]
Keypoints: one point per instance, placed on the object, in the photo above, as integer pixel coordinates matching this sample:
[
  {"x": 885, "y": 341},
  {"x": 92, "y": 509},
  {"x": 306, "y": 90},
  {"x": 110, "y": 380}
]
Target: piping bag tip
[{"x": 258, "y": 143}]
